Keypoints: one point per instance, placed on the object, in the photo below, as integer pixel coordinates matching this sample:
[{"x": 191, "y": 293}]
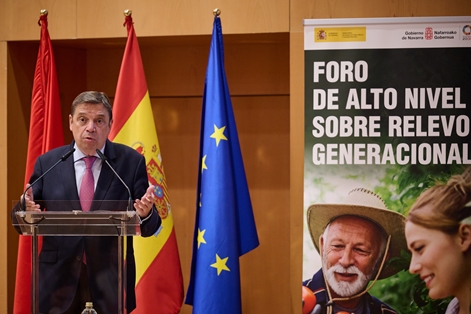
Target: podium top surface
[{"x": 78, "y": 223}]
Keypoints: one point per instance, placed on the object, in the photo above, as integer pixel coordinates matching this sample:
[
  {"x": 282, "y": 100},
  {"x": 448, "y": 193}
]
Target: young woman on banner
[{"x": 438, "y": 233}]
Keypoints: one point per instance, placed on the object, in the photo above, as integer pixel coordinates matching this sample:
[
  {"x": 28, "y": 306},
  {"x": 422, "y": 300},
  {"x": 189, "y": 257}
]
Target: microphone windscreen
[{"x": 309, "y": 300}]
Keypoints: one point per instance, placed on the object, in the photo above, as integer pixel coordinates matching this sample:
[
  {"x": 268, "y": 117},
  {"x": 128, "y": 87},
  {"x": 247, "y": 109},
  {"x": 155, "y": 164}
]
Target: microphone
[
  {"x": 309, "y": 301},
  {"x": 63, "y": 158},
  {"x": 105, "y": 160}
]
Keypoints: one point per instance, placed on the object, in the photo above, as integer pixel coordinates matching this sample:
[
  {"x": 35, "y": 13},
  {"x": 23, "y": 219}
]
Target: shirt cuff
[{"x": 142, "y": 220}]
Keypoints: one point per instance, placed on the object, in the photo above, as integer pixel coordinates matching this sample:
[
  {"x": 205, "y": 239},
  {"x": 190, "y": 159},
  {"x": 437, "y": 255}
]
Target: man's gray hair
[{"x": 92, "y": 97}]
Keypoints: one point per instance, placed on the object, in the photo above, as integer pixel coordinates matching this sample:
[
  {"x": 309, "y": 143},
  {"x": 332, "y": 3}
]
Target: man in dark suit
[{"x": 76, "y": 269}]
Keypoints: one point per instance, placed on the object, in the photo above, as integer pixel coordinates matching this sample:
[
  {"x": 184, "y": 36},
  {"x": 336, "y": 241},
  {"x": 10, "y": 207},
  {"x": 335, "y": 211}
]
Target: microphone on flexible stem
[
  {"x": 105, "y": 160},
  {"x": 63, "y": 158}
]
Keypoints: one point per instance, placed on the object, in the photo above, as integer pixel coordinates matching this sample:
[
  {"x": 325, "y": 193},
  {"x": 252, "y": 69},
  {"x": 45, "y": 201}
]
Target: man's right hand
[{"x": 29, "y": 200}]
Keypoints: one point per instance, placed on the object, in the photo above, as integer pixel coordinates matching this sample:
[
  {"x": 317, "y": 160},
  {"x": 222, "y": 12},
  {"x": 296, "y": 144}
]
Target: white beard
[{"x": 342, "y": 288}]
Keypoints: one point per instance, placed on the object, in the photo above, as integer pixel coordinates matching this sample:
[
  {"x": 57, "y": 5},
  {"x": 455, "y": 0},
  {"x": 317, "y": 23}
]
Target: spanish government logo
[{"x": 321, "y": 35}]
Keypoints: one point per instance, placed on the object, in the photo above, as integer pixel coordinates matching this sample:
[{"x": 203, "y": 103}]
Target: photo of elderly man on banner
[{"x": 387, "y": 115}]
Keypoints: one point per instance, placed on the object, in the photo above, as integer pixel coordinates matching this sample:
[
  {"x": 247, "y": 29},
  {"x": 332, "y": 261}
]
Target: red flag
[
  {"x": 159, "y": 281},
  {"x": 45, "y": 133}
]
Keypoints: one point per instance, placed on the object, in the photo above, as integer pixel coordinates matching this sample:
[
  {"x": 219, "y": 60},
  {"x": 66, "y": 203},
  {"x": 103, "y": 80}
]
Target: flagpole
[
  {"x": 45, "y": 133},
  {"x": 34, "y": 248},
  {"x": 224, "y": 224},
  {"x": 34, "y": 243},
  {"x": 43, "y": 12},
  {"x": 35, "y": 271},
  {"x": 158, "y": 284}
]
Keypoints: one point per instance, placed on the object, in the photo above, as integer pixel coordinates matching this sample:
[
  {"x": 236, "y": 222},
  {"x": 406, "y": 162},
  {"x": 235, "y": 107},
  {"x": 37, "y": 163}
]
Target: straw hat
[{"x": 366, "y": 204}]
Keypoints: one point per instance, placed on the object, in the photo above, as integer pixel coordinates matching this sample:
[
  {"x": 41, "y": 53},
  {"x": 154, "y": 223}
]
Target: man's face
[
  {"x": 90, "y": 126},
  {"x": 350, "y": 252}
]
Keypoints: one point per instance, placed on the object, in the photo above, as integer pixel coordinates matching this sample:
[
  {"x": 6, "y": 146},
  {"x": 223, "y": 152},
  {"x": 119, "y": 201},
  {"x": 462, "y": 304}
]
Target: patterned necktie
[{"x": 87, "y": 188}]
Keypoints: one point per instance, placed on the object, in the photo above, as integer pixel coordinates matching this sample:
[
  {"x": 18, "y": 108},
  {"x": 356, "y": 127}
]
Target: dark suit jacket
[{"x": 61, "y": 256}]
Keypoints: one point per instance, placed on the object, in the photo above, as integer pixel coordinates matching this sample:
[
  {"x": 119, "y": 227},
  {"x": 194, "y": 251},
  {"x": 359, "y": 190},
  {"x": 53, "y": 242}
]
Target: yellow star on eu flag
[
  {"x": 220, "y": 264},
  {"x": 203, "y": 164},
  {"x": 201, "y": 237},
  {"x": 219, "y": 134}
]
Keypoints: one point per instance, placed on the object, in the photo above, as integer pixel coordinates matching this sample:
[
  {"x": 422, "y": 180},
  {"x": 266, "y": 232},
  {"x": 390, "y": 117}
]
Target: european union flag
[{"x": 225, "y": 226}]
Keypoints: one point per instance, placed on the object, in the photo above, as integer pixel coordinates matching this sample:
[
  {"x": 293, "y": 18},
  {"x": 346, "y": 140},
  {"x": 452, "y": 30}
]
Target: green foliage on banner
[{"x": 400, "y": 187}]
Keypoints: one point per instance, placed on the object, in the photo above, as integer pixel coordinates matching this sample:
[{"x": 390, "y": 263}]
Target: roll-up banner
[{"x": 387, "y": 109}]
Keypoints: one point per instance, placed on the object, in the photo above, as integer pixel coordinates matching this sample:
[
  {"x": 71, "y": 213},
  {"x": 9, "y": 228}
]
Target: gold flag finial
[
  {"x": 44, "y": 12},
  {"x": 216, "y": 12},
  {"x": 127, "y": 12}
]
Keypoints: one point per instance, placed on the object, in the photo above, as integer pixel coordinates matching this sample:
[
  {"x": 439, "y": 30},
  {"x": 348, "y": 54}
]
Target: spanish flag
[
  {"x": 159, "y": 281},
  {"x": 45, "y": 133}
]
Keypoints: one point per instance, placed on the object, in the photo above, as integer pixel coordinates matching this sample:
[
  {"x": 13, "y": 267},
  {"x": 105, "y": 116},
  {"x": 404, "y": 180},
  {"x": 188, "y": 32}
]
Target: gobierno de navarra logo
[{"x": 428, "y": 33}]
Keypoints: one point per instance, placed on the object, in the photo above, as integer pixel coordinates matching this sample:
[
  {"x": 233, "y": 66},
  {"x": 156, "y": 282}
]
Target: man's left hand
[{"x": 144, "y": 205}]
